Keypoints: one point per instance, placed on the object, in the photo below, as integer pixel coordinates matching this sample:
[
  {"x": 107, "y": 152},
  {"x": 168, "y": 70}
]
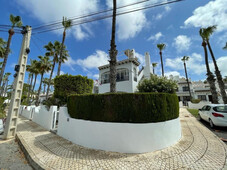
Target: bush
[
  {"x": 65, "y": 85},
  {"x": 195, "y": 100},
  {"x": 128, "y": 108},
  {"x": 157, "y": 84},
  {"x": 52, "y": 101}
]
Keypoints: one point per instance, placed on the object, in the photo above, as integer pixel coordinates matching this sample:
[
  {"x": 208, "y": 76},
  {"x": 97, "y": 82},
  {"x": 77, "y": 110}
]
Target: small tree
[{"x": 157, "y": 84}]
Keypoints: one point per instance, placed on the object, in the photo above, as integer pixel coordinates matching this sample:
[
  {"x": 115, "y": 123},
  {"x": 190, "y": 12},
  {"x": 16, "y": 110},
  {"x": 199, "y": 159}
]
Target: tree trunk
[
  {"x": 44, "y": 88},
  {"x": 29, "y": 90},
  {"x": 218, "y": 75},
  {"x": 113, "y": 52},
  {"x": 11, "y": 32},
  {"x": 40, "y": 86},
  {"x": 210, "y": 77},
  {"x": 2, "y": 88},
  {"x": 186, "y": 74},
  {"x": 48, "y": 87},
  {"x": 153, "y": 70},
  {"x": 34, "y": 83},
  {"x": 60, "y": 58},
  {"x": 161, "y": 63},
  {"x": 5, "y": 88}
]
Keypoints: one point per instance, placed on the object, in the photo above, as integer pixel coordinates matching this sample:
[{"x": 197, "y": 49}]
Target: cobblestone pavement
[{"x": 198, "y": 149}]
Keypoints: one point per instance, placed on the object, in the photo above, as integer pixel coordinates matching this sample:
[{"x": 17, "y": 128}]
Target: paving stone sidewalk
[{"x": 198, "y": 148}]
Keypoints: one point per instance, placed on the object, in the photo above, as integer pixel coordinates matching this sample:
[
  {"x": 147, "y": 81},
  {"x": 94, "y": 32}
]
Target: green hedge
[
  {"x": 65, "y": 85},
  {"x": 130, "y": 107}
]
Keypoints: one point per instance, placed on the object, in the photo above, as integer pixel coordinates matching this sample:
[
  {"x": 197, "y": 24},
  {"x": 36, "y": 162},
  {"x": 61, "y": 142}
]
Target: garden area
[{"x": 194, "y": 112}]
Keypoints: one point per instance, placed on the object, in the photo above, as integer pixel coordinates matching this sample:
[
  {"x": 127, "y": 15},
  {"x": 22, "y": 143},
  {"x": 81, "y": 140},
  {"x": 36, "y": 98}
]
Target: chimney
[{"x": 147, "y": 68}]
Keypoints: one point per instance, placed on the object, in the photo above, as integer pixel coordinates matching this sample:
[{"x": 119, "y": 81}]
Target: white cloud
[
  {"x": 213, "y": 13},
  {"x": 173, "y": 73},
  {"x": 129, "y": 25},
  {"x": 221, "y": 62},
  {"x": 182, "y": 43},
  {"x": 54, "y": 10},
  {"x": 195, "y": 64},
  {"x": 141, "y": 58},
  {"x": 95, "y": 60},
  {"x": 70, "y": 63},
  {"x": 159, "y": 16},
  {"x": 155, "y": 37}
]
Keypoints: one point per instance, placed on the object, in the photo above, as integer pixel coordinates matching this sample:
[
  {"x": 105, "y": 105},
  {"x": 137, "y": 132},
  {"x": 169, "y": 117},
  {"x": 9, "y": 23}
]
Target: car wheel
[
  {"x": 199, "y": 117},
  {"x": 211, "y": 123}
]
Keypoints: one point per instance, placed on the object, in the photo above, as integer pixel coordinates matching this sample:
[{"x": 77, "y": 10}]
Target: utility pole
[{"x": 13, "y": 112}]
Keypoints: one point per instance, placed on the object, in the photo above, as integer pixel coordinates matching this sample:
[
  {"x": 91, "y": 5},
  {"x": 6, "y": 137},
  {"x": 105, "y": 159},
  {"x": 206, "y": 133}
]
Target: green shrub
[
  {"x": 65, "y": 85},
  {"x": 195, "y": 100},
  {"x": 157, "y": 84},
  {"x": 129, "y": 107}
]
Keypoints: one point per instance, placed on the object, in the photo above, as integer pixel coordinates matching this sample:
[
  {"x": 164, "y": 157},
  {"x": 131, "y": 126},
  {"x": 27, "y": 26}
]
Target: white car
[
  {"x": 1, "y": 126},
  {"x": 215, "y": 114}
]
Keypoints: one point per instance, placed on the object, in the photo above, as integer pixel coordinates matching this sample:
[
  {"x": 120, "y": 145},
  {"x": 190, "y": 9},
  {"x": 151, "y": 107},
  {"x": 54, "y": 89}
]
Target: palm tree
[
  {"x": 44, "y": 66},
  {"x": 52, "y": 50},
  {"x": 184, "y": 59},
  {"x": 67, "y": 23},
  {"x": 45, "y": 82},
  {"x": 210, "y": 76},
  {"x": 161, "y": 47},
  {"x": 2, "y": 47},
  {"x": 154, "y": 65},
  {"x": 225, "y": 47},
  {"x": 113, "y": 51},
  {"x": 30, "y": 69},
  {"x": 16, "y": 22},
  {"x": 5, "y": 83},
  {"x": 35, "y": 71},
  {"x": 207, "y": 33}
]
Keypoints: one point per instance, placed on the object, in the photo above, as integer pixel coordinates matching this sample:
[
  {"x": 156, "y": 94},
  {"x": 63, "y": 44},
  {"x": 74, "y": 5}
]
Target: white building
[{"x": 128, "y": 74}]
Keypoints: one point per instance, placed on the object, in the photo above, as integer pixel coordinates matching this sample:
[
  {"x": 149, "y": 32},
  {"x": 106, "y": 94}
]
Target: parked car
[
  {"x": 215, "y": 114},
  {"x": 1, "y": 127}
]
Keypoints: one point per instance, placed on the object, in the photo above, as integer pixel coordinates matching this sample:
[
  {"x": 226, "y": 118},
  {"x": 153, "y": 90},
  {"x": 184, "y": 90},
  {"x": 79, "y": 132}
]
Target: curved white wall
[{"x": 119, "y": 137}]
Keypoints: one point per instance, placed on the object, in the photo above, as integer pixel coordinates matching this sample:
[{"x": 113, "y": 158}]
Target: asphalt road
[
  {"x": 11, "y": 157},
  {"x": 219, "y": 131}
]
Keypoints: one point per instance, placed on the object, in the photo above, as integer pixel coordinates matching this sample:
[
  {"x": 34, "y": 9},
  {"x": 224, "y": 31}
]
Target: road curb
[{"x": 29, "y": 158}]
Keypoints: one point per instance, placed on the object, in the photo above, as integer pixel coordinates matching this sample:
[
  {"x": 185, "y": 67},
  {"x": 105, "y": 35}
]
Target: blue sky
[{"x": 177, "y": 25}]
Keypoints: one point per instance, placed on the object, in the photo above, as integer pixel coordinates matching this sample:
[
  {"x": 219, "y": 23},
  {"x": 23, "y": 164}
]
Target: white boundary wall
[
  {"x": 40, "y": 115},
  {"x": 26, "y": 111},
  {"x": 197, "y": 105},
  {"x": 43, "y": 117},
  {"x": 119, "y": 137}
]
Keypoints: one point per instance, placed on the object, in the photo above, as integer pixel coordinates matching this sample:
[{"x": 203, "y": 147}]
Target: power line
[
  {"x": 110, "y": 15},
  {"x": 88, "y": 15}
]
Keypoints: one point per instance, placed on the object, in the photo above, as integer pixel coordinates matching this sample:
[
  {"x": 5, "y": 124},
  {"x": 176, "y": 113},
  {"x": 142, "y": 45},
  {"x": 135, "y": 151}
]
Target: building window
[
  {"x": 185, "y": 88},
  {"x": 135, "y": 74},
  {"x": 105, "y": 78},
  {"x": 122, "y": 75},
  {"x": 202, "y": 97}
]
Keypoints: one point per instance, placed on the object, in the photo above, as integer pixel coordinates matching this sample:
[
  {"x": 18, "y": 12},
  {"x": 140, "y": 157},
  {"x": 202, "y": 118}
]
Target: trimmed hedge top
[
  {"x": 127, "y": 108},
  {"x": 65, "y": 85}
]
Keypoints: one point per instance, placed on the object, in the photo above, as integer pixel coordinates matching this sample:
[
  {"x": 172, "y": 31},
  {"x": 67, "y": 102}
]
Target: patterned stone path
[{"x": 198, "y": 148}]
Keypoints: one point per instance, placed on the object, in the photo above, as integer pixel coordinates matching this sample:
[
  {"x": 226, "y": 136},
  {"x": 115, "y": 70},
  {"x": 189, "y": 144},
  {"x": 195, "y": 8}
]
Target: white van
[{"x": 1, "y": 126}]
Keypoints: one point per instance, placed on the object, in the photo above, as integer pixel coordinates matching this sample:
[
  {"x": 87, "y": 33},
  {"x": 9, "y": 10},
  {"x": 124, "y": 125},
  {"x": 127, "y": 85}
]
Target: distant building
[{"x": 129, "y": 75}]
